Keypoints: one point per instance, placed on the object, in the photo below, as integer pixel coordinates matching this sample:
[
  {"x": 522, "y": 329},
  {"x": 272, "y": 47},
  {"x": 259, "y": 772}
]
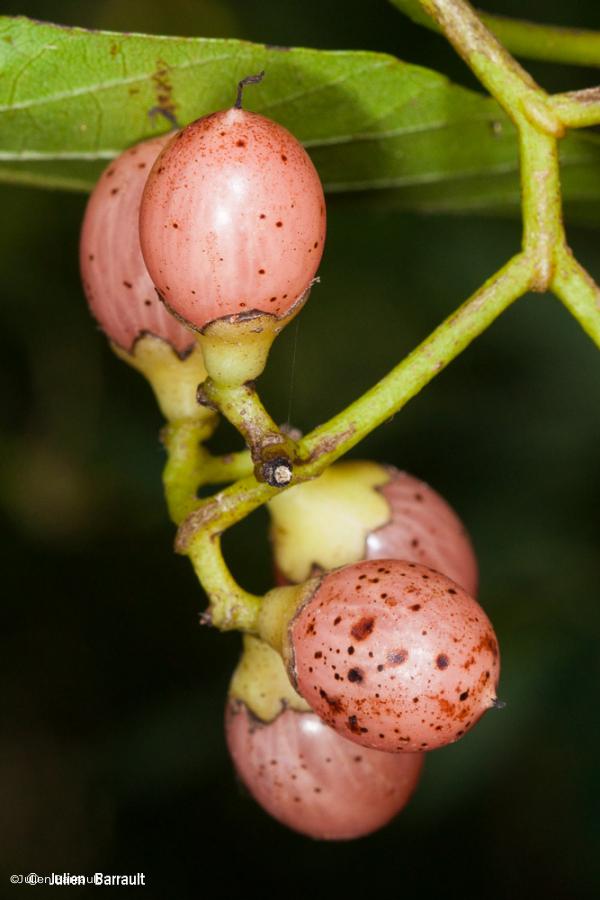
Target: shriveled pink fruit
[
  {"x": 121, "y": 294},
  {"x": 393, "y": 655},
  {"x": 311, "y": 779},
  {"x": 423, "y": 528},
  {"x": 232, "y": 219}
]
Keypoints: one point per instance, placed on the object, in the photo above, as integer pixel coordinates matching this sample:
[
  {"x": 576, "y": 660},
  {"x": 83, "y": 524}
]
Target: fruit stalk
[
  {"x": 241, "y": 405},
  {"x": 546, "y": 262}
]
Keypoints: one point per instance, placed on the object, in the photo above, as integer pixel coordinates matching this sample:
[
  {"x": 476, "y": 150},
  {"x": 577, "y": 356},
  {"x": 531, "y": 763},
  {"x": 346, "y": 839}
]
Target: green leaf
[{"x": 71, "y": 99}]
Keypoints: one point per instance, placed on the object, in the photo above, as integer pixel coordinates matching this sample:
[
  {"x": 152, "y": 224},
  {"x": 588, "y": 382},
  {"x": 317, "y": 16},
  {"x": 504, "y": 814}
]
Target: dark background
[{"x": 112, "y": 756}]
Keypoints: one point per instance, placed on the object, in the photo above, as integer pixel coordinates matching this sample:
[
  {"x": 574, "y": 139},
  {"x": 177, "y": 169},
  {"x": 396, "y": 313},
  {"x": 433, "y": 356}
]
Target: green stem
[
  {"x": 331, "y": 440},
  {"x": 190, "y": 465},
  {"x": 198, "y": 535},
  {"x": 548, "y": 43},
  {"x": 530, "y": 40},
  {"x": 541, "y": 201},
  {"x": 513, "y": 87},
  {"x": 544, "y": 262},
  {"x": 241, "y": 405},
  {"x": 228, "y": 467},
  {"x": 230, "y": 606},
  {"x": 185, "y": 463},
  {"x": 578, "y": 109},
  {"x": 578, "y": 291}
]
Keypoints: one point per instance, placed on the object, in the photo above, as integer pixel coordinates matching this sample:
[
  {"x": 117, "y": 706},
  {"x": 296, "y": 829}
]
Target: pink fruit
[
  {"x": 363, "y": 510},
  {"x": 423, "y": 528},
  {"x": 232, "y": 219},
  {"x": 121, "y": 294},
  {"x": 393, "y": 655},
  {"x": 311, "y": 779}
]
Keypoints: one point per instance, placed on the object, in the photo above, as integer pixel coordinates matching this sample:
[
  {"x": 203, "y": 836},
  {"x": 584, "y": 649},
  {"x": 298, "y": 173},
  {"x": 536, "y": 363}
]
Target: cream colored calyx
[
  {"x": 261, "y": 682},
  {"x": 277, "y": 612},
  {"x": 174, "y": 380},
  {"x": 236, "y": 348},
  {"x": 326, "y": 522}
]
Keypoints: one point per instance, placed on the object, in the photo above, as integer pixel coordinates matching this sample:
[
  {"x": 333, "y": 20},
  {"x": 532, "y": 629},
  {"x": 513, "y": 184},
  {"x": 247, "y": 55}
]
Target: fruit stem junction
[{"x": 545, "y": 263}]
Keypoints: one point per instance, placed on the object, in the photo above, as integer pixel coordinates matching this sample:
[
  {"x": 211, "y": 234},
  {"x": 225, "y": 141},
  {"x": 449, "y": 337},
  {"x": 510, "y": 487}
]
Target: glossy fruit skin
[
  {"x": 119, "y": 290},
  {"x": 232, "y": 219},
  {"x": 423, "y": 528},
  {"x": 393, "y": 655},
  {"x": 363, "y": 510},
  {"x": 314, "y": 781}
]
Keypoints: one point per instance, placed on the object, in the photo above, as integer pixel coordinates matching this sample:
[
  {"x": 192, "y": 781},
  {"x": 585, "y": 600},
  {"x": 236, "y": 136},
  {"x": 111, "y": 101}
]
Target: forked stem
[
  {"x": 272, "y": 451},
  {"x": 578, "y": 291},
  {"x": 545, "y": 263}
]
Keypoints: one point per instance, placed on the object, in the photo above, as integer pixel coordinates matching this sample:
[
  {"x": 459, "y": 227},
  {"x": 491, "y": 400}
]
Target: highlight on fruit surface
[
  {"x": 391, "y": 654},
  {"x": 363, "y": 510},
  {"x": 232, "y": 226},
  {"x": 121, "y": 294},
  {"x": 301, "y": 771}
]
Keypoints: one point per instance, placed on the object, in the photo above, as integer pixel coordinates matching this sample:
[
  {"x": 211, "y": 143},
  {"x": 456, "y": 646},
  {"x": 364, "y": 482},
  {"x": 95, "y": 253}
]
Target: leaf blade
[{"x": 71, "y": 99}]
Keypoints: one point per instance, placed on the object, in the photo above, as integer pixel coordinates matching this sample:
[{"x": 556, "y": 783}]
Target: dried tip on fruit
[
  {"x": 249, "y": 79},
  {"x": 498, "y": 704},
  {"x": 391, "y": 654}
]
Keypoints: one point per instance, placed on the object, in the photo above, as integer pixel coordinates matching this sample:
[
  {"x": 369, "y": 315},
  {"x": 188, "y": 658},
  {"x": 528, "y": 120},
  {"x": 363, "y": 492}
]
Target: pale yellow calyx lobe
[
  {"x": 174, "y": 380},
  {"x": 261, "y": 682},
  {"x": 236, "y": 348},
  {"x": 325, "y": 522}
]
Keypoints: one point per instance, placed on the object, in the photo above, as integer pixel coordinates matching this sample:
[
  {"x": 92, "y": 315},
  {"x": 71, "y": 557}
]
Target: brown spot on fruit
[
  {"x": 355, "y": 675},
  {"x": 334, "y": 703},
  {"x": 363, "y": 628},
  {"x": 442, "y": 661}
]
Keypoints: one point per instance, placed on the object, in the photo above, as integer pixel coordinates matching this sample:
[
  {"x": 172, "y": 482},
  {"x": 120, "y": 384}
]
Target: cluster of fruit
[
  {"x": 196, "y": 249},
  {"x": 382, "y": 650}
]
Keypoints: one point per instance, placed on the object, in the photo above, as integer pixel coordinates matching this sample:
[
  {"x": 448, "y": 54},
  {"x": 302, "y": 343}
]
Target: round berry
[
  {"x": 312, "y": 780},
  {"x": 391, "y": 654},
  {"x": 120, "y": 292},
  {"x": 362, "y": 510},
  {"x": 232, "y": 221},
  {"x": 423, "y": 528}
]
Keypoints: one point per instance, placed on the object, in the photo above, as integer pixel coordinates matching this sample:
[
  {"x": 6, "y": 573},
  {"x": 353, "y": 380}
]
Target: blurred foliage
[{"x": 112, "y": 756}]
